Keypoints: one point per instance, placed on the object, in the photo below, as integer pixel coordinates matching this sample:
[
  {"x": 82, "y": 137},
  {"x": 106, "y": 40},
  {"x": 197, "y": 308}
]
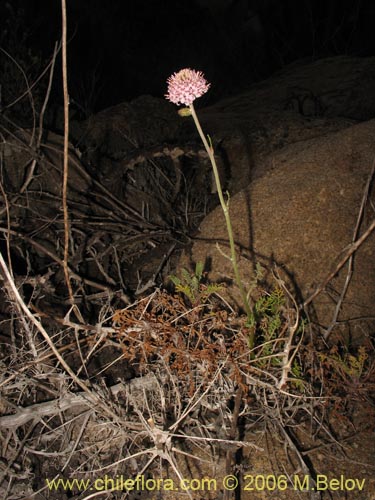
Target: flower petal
[{"x": 185, "y": 86}]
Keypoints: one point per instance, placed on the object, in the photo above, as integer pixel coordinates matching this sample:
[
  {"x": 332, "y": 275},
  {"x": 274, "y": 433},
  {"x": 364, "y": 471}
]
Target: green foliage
[
  {"x": 267, "y": 320},
  {"x": 297, "y": 373},
  {"x": 270, "y": 325},
  {"x": 192, "y": 287},
  {"x": 266, "y": 312},
  {"x": 348, "y": 366}
]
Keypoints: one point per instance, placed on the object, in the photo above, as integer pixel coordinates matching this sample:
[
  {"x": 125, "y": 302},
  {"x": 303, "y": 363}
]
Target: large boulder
[
  {"x": 301, "y": 215},
  {"x": 305, "y": 100}
]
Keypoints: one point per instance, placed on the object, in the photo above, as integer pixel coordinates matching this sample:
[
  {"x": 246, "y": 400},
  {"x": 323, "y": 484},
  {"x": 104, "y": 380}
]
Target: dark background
[{"x": 120, "y": 49}]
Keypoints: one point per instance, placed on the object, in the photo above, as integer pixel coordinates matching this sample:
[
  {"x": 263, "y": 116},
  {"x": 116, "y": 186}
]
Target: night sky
[{"x": 120, "y": 49}]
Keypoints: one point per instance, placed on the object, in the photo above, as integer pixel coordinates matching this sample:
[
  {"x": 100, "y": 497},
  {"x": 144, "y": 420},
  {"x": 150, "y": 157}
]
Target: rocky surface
[
  {"x": 305, "y": 100},
  {"x": 299, "y": 150}
]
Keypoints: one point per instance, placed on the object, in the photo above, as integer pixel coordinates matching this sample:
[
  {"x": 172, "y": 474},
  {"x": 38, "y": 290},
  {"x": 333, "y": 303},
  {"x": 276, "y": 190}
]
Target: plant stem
[{"x": 225, "y": 207}]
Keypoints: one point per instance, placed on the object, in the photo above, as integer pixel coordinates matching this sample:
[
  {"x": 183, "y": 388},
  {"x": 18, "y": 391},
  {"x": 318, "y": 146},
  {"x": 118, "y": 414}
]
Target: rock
[
  {"x": 117, "y": 131},
  {"x": 304, "y": 100},
  {"x": 301, "y": 215}
]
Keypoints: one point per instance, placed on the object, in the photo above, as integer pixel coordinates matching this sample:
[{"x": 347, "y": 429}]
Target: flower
[{"x": 186, "y": 86}]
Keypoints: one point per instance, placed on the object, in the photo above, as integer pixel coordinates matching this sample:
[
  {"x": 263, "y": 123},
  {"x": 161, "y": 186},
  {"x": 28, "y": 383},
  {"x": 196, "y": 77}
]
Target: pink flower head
[{"x": 186, "y": 86}]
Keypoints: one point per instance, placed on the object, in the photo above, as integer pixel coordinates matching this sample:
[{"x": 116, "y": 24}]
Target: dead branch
[
  {"x": 76, "y": 400},
  {"x": 39, "y": 326},
  {"x": 353, "y": 247},
  {"x": 287, "y": 358},
  {"x": 74, "y": 275},
  {"x": 351, "y": 258}
]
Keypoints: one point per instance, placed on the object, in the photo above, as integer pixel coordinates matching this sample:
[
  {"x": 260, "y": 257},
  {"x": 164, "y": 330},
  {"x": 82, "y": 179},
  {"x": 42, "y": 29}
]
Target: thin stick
[
  {"x": 352, "y": 248},
  {"x": 287, "y": 359},
  {"x": 66, "y": 152},
  {"x": 349, "y": 274},
  {"x": 29, "y": 88},
  {"x": 27, "y": 91}
]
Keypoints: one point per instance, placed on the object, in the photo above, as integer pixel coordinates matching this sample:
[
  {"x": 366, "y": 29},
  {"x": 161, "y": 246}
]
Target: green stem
[{"x": 225, "y": 207}]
